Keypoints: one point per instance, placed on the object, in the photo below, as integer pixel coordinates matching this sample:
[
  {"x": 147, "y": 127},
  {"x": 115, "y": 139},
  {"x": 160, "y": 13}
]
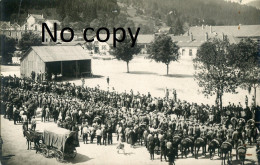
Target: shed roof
[{"x": 59, "y": 53}]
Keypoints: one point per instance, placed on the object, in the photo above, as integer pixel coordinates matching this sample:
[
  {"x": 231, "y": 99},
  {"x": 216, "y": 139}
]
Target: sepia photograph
[{"x": 130, "y": 82}]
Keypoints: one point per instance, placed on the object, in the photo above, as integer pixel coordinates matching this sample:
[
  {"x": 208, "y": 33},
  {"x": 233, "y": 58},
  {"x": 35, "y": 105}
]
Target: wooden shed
[{"x": 68, "y": 61}]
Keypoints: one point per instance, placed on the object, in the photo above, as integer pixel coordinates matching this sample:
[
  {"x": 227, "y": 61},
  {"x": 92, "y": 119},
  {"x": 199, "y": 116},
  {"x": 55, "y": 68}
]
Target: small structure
[{"x": 67, "y": 61}]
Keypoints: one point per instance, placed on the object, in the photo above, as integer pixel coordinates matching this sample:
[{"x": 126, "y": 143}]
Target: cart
[{"x": 60, "y": 143}]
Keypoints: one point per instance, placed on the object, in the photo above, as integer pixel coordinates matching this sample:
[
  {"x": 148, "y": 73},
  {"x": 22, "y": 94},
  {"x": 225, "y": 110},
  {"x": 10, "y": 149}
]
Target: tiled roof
[
  {"x": 185, "y": 41},
  {"x": 145, "y": 38},
  {"x": 60, "y": 53},
  {"x": 141, "y": 38},
  {"x": 236, "y": 31},
  {"x": 37, "y": 16}
]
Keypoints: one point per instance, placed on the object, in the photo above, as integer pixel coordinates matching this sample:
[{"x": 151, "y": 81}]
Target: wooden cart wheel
[
  {"x": 59, "y": 156},
  {"x": 45, "y": 152}
]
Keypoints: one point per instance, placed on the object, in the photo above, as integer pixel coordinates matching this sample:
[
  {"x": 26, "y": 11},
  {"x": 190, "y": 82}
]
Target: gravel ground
[{"x": 148, "y": 76}]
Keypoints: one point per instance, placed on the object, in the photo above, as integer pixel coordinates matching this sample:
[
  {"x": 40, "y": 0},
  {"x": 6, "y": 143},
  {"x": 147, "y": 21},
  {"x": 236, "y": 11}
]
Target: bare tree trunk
[
  {"x": 220, "y": 101},
  {"x": 167, "y": 68},
  {"x": 255, "y": 96},
  {"x": 127, "y": 64}
]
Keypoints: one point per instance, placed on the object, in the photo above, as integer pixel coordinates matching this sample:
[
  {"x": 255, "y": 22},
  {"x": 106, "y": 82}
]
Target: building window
[
  {"x": 182, "y": 51},
  {"x": 190, "y": 52}
]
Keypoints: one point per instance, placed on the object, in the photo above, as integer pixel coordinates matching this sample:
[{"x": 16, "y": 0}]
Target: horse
[
  {"x": 199, "y": 142},
  {"x": 226, "y": 149},
  {"x": 186, "y": 143},
  {"x": 175, "y": 143},
  {"x": 215, "y": 143},
  {"x": 163, "y": 149},
  {"x": 140, "y": 132},
  {"x": 241, "y": 153},
  {"x": 35, "y": 137}
]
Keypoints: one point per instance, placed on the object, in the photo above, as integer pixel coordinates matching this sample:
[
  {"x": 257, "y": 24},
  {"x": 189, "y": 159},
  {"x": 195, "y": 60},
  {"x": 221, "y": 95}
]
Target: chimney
[
  {"x": 191, "y": 37},
  {"x": 202, "y": 26},
  {"x": 210, "y": 29},
  {"x": 206, "y": 36}
]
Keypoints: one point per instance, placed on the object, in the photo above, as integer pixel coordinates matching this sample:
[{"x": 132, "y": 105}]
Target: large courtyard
[
  {"x": 145, "y": 76},
  {"x": 148, "y": 76}
]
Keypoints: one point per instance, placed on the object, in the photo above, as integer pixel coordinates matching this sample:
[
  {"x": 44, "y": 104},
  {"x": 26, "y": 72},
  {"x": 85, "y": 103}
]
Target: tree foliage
[
  {"x": 164, "y": 50},
  {"x": 7, "y": 49},
  {"x": 245, "y": 57},
  {"x": 123, "y": 51},
  {"x": 177, "y": 28},
  {"x": 28, "y": 40},
  {"x": 214, "y": 71},
  {"x": 67, "y": 11}
]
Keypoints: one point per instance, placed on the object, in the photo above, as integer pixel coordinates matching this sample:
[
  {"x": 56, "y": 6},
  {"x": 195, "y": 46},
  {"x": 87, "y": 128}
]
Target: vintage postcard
[{"x": 133, "y": 82}]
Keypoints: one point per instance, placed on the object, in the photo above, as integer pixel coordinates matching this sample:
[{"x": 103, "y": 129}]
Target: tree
[
  {"x": 214, "y": 72},
  {"x": 7, "y": 49},
  {"x": 124, "y": 51},
  {"x": 164, "y": 50},
  {"x": 28, "y": 40},
  {"x": 244, "y": 57},
  {"x": 177, "y": 28}
]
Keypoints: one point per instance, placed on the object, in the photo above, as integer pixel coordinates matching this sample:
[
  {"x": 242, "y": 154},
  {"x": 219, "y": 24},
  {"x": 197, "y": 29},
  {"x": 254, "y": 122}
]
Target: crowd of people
[{"x": 155, "y": 122}]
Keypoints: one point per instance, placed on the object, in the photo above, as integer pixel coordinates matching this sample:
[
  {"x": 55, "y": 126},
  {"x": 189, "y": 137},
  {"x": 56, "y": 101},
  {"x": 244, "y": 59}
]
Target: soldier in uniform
[
  {"x": 191, "y": 130},
  {"x": 151, "y": 145},
  {"x": 235, "y": 137},
  {"x": 16, "y": 115},
  {"x": 197, "y": 131},
  {"x": 85, "y": 132},
  {"x": 110, "y": 132},
  {"x": 230, "y": 132}
]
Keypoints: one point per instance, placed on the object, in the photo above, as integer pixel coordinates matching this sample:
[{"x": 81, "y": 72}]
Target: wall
[
  {"x": 30, "y": 21},
  {"x": 103, "y": 47},
  {"x": 185, "y": 55},
  {"x": 32, "y": 62}
]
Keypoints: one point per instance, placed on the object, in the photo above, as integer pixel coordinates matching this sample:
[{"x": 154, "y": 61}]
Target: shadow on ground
[
  {"x": 179, "y": 75},
  {"x": 142, "y": 72},
  {"x": 4, "y": 159},
  {"x": 74, "y": 79},
  {"x": 80, "y": 159},
  {"x": 7, "y": 157}
]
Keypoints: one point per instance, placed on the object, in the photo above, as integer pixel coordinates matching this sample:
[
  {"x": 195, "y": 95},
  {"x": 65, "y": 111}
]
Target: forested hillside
[
  {"x": 79, "y": 13},
  {"x": 147, "y": 14},
  {"x": 197, "y": 12}
]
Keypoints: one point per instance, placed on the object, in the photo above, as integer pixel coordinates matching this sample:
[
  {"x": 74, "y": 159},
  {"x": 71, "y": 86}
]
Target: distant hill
[
  {"x": 197, "y": 12},
  {"x": 255, "y": 4},
  {"x": 150, "y": 15}
]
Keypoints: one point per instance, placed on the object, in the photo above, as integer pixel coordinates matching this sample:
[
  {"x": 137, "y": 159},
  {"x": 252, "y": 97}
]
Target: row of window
[{"x": 183, "y": 52}]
